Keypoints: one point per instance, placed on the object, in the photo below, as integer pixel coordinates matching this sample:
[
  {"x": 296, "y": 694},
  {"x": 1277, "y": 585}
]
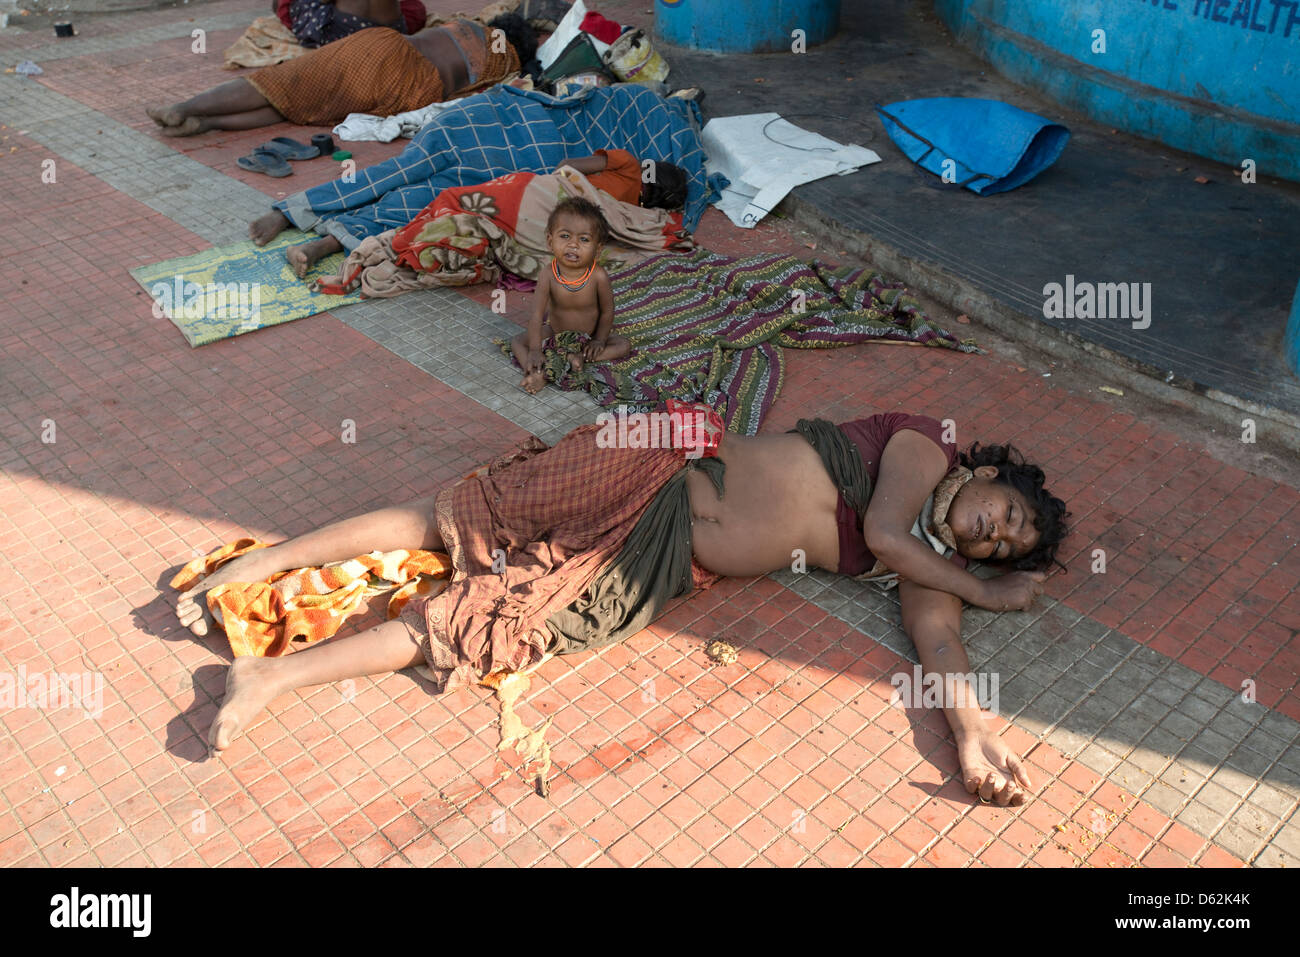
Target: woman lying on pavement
[
  {"x": 597, "y": 539},
  {"x": 376, "y": 70}
]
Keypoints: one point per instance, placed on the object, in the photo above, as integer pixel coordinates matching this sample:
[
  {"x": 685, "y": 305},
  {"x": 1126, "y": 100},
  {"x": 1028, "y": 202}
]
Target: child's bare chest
[{"x": 574, "y": 305}]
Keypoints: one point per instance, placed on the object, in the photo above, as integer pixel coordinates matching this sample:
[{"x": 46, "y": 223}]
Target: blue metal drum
[{"x": 746, "y": 26}]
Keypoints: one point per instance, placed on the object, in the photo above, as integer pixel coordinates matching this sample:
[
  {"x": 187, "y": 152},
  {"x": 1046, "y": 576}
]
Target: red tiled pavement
[{"x": 791, "y": 755}]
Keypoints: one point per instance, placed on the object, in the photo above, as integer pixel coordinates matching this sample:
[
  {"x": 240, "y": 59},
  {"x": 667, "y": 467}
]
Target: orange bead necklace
[{"x": 573, "y": 285}]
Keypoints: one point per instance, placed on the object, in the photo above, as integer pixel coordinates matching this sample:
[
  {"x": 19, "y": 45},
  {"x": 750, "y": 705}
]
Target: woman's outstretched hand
[
  {"x": 992, "y": 770},
  {"x": 1014, "y": 591}
]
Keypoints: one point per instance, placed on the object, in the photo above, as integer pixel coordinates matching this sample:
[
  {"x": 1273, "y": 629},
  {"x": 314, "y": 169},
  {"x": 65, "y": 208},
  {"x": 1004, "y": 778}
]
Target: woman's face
[{"x": 991, "y": 521}]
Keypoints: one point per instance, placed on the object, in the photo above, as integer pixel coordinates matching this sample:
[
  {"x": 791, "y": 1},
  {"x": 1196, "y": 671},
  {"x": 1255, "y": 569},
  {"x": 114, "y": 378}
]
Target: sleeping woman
[
  {"x": 598, "y": 539},
  {"x": 376, "y": 70}
]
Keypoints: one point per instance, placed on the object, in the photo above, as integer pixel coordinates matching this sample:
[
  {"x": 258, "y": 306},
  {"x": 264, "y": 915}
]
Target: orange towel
[{"x": 309, "y": 604}]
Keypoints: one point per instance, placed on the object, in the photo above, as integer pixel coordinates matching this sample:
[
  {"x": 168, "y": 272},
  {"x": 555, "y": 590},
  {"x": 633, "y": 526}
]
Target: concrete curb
[{"x": 963, "y": 296}]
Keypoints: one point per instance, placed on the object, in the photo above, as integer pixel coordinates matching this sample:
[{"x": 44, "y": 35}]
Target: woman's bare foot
[
  {"x": 190, "y": 126},
  {"x": 533, "y": 382},
  {"x": 303, "y": 257},
  {"x": 265, "y": 228},
  {"x": 166, "y": 115},
  {"x": 192, "y": 606},
  {"x": 250, "y": 687}
]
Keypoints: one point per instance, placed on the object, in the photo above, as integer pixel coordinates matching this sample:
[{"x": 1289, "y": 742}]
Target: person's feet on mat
[
  {"x": 303, "y": 257},
  {"x": 265, "y": 228}
]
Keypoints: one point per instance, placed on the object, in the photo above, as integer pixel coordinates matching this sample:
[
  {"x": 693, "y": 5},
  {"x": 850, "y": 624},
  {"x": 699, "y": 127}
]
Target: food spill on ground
[
  {"x": 529, "y": 743},
  {"x": 721, "y": 652}
]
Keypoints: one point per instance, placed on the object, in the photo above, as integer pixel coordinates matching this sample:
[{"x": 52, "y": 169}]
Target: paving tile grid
[{"x": 1125, "y": 687}]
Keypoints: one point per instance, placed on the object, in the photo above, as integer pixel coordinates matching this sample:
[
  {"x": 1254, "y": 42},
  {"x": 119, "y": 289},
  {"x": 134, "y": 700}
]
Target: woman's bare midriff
[
  {"x": 440, "y": 49},
  {"x": 779, "y": 502}
]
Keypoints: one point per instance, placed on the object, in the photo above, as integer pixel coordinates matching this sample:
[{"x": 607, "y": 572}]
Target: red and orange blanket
[{"x": 469, "y": 234}]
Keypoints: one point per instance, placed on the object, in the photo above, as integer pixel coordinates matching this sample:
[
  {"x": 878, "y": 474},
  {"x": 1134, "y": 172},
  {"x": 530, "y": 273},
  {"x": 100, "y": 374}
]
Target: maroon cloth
[
  {"x": 413, "y": 13},
  {"x": 870, "y": 436},
  {"x": 602, "y": 28}
]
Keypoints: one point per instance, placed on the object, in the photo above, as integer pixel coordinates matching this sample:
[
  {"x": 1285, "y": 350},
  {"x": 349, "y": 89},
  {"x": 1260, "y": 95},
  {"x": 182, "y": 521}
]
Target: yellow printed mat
[{"x": 230, "y": 290}]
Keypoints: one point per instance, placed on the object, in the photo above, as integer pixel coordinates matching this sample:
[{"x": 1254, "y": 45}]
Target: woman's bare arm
[
  {"x": 586, "y": 165},
  {"x": 932, "y": 619},
  {"x": 911, "y": 466}
]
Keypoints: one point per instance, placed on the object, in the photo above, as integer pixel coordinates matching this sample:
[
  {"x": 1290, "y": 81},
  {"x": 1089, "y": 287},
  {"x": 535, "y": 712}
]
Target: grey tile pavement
[
  {"x": 208, "y": 203},
  {"x": 90, "y": 42}
]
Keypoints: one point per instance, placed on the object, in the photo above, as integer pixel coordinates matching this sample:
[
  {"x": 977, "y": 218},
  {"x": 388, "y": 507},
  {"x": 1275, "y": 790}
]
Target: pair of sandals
[{"x": 272, "y": 157}]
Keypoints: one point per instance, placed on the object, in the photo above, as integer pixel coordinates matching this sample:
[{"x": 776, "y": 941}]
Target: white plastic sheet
[
  {"x": 566, "y": 30},
  {"x": 765, "y": 157}
]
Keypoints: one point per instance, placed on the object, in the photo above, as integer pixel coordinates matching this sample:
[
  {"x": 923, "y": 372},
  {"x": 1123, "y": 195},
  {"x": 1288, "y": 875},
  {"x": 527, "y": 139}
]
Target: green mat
[{"x": 225, "y": 292}]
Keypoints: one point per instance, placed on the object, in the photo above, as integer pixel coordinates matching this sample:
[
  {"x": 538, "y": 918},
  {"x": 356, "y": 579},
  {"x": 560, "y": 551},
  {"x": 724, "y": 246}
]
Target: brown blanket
[
  {"x": 556, "y": 517},
  {"x": 266, "y": 42},
  {"x": 376, "y": 70}
]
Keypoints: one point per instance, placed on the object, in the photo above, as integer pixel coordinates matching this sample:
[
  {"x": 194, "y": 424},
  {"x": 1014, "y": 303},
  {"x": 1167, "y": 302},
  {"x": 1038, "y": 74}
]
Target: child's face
[{"x": 573, "y": 242}]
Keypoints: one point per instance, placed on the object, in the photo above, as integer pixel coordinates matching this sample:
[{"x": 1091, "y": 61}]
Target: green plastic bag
[{"x": 580, "y": 56}]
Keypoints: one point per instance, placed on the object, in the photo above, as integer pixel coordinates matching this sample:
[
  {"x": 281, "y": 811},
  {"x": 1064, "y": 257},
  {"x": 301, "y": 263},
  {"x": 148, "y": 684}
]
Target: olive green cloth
[
  {"x": 841, "y": 458},
  {"x": 653, "y": 568}
]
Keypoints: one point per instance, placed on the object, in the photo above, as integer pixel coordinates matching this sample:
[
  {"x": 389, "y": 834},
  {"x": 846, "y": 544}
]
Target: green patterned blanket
[{"x": 710, "y": 328}]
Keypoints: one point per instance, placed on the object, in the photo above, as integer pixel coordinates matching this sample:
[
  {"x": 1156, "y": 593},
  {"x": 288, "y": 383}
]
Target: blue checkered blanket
[{"x": 505, "y": 130}]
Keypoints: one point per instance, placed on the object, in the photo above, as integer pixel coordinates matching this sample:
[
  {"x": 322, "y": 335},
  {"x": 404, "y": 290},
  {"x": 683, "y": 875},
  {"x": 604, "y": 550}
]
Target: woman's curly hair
[
  {"x": 667, "y": 187},
  {"x": 1049, "y": 511},
  {"x": 519, "y": 34}
]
